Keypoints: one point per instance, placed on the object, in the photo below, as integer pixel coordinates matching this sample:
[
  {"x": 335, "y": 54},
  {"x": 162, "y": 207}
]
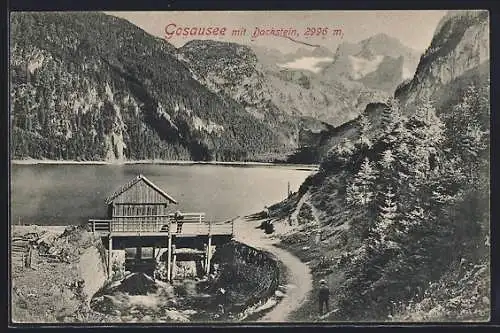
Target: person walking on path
[
  {"x": 266, "y": 212},
  {"x": 324, "y": 295},
  {"x": 221, "y": 300}
]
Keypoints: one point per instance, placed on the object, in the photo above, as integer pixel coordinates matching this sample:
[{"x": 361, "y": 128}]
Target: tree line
[{"x": 418, "y": 194}]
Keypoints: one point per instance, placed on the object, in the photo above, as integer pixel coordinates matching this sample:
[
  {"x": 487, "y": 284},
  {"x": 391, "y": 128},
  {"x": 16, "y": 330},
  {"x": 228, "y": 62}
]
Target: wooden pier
[{"x": 138, "y": 217}]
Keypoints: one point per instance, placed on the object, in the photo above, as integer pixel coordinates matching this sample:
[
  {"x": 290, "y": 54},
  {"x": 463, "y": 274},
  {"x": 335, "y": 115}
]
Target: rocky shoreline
[
  {"x": 166, "y": 162},
  {"x": 67, "y": 274}
]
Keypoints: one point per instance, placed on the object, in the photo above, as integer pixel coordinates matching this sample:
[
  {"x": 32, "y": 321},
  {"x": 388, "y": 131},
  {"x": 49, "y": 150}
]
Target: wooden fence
[{"x": 189, "y": 225}]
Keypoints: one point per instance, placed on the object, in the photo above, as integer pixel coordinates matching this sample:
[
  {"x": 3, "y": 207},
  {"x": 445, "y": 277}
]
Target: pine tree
[
  {"x": 392, "y": 121},
  {"x": 364, "y": 132},
  {"x": 428, "y": 130},
  {"x": 468, "y": 132},
  {"x": 361, "y": 191},
  {"x": 346, "y": 148},
  {"x": 413, "y": 219},
  {"x": 387, "y": 217}
]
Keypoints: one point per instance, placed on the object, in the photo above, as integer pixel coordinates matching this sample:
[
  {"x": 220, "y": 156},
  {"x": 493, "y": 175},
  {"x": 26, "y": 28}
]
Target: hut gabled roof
[{"x": 135, "y": 181}]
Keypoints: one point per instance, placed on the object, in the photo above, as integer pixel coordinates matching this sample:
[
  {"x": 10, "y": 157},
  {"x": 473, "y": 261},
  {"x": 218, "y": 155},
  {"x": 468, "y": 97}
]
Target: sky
[{"x": 413, "y": 28}]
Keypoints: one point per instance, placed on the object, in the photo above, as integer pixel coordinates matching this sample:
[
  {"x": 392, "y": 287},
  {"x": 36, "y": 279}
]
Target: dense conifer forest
[{"x": 92, "y": 87}]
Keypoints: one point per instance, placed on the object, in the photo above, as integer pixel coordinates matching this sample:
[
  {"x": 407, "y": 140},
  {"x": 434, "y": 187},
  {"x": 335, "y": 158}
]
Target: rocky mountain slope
[
  {"x": 459, "y": 54},
  {"x": 89, "y": 86},
  {"x": 304, "y": 84},
  {"x": 233, "y": 70},
  {"x": 379, "y": 62},
  {"x": 457, "y": 57}
]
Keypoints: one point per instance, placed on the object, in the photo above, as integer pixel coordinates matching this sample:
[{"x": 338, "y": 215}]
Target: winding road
[{"x": 299, "y": 277}]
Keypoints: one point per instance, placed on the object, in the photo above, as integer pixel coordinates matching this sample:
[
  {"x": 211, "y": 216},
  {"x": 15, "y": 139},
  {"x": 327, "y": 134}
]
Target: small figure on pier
[{"x": 178, "y": 217}]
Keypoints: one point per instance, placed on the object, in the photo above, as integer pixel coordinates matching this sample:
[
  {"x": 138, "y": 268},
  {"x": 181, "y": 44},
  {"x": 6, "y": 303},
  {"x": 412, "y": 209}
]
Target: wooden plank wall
[
  {"x": 139, "y": 200},
  {"x": 150, "y": 216},
  {"x": 140, "y": 192}
]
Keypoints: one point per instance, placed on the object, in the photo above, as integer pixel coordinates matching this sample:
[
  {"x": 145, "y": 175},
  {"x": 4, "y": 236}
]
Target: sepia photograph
[{"x": 207, "y": 167}]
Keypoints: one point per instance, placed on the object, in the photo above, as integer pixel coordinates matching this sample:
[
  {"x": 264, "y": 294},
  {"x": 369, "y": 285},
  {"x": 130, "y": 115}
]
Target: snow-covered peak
[{"x": 307, "y": 63}]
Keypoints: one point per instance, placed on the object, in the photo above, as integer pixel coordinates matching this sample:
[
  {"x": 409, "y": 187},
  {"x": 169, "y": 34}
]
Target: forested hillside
[
  {"x": 88, "y": 86},
  {"x": 402, "y": 197},
  {"x": 419, "y": 201}
]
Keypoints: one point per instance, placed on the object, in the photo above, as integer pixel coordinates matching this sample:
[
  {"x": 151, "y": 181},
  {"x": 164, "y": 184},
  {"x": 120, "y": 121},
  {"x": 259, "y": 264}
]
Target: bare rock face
[
  {"x": 92, "y": 271},
  {"x": 233, "y": 70},
  {"x": 460, "y": 46}
]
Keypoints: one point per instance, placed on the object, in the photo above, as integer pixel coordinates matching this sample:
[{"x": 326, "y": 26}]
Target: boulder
[
  {"x": 47, "y": 240},
  {"x": 176, "y": 316}
]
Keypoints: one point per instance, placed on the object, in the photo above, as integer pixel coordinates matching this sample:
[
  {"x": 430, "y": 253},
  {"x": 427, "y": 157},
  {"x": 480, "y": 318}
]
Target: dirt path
[{"x": 300, "y": 279}]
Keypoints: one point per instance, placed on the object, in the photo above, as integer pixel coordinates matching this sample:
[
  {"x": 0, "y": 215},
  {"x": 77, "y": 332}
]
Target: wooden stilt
[
  {"x": 209, "y": 253},
  {"x": 169, "y": 258},
  {"x": 110, "y": 252},
  {"x": 30, "y": 255},
  {"x": 174, "y": 265},
  {"x": 205, "y": 258},
  {"x": 138, "y": 253}
]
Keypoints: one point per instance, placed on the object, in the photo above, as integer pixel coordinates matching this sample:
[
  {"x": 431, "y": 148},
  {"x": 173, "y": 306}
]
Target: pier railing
[{"x": 191, "y": 224}]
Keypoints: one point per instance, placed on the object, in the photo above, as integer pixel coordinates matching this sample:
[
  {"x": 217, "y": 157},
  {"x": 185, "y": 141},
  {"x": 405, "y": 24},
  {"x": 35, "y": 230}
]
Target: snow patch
[
  {"x": 69, "y": 133},
  {"x": 182, "y": 58},
  {"x": 255, "y": 112},
  {"x": 307, "y": 63},
  {"x": 362, "y": 67},
  {"x": 407, "y": 74}
]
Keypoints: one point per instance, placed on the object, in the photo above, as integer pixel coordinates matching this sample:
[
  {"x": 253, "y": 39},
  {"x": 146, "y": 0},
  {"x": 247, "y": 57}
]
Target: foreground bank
[{"x": 63, "y": 279}]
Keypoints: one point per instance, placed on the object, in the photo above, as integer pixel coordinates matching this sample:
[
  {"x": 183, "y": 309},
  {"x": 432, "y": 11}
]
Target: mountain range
[
  {"x": 335, "y": 87},
  {"x": 457, "y": 57},
  {"x": 90, "y": 86}
]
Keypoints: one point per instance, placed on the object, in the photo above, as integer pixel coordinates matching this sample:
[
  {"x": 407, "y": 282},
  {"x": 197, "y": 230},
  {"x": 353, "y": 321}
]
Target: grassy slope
[{"x": 462, "y": 294}]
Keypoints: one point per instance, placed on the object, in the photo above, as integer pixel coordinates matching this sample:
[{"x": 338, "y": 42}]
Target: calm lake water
[{"x": 71, "y": 194}]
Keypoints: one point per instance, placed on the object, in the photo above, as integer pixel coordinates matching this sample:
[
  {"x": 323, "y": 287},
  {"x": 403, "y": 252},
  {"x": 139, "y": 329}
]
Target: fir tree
[
  {"x": 468, "y": 132},
  {"x": 364, "y": 132},
  {"x": 392, "y": 121},
  {"x": 388, "y": 159},
  {"x": 387, "y": 217},
  {"x": 412, "y": 219},
  {"x": 361, "y": 191},
  {"x": 388, "y": 167},
  {"x": 345, "y": 148}
]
